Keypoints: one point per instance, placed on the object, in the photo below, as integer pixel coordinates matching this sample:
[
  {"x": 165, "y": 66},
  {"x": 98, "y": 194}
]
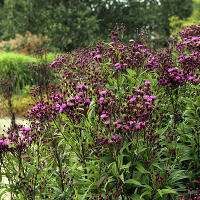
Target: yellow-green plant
[{"x": 176, "y": 24}]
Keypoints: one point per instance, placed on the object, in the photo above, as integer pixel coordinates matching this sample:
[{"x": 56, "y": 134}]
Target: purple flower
[
  {"x": 53, "y": 63},
  {"x": 81, "y": 87},
  {"x": 121, "y": 49},
  {"x": 101, "y": 99},
  {"x": 64, "y": 105},
  {"x": 147, "y": 83},
  {"x": 190, "y": 78},
  {"x": 111, "y": 43},
  {"x": 132, "y": 122},
  {"x": 117, "y": 66},
  {"x": 153, "y": 97},
  {"x": 103, "y": 116},
  {"x": 107, "y": 122},
  {"x": 127, "y": 127},
  {"x": 132, "y": 99},
  {"x": 27, "y": 129},
  {"x": 87, "y": 101},
  {"x": 114, "y": 137},
  {"x": 110, "y": 142},
  {"x": 119, "y": 121},
  {"x": 131, "y": 41},
  {"x": 103, "y": 92},
  {"x": 98, "y": 56},
  {"x": 71, "y": 99},
  {"x": 70, "y": 104}
]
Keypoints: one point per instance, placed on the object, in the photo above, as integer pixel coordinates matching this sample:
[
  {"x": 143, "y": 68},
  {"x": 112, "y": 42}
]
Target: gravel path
[{"x": 5, "y": 123}]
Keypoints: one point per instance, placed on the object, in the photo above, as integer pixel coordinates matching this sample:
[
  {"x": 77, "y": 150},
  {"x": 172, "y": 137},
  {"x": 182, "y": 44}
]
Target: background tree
[
  {"x": 177, "y": 23},
  {"x": 73, "y": 24}
]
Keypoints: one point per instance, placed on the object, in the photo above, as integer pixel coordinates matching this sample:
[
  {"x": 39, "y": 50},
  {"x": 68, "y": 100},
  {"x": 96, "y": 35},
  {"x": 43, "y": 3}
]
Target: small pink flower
[
  {"x": 103, "y": 116},
  {"x": 114, "y": 137},
  {"x": 153, "y": 97},
  {"x": 101, "y": 99},
  {"x": 132, "y": 99},
  {"x": 147, "y": 83},
  {"x": 117, "y": 66},
  {"x": 103, "y": 92},
  {"x": 81, "y": 87},
  {"x": 190, "y": 78},
  {"x": 64, "y": 105},
  {"x": 53, "y": 63},
  {"x": 98, "y": 56},
  {"x": 107, "y": 122},
  {"x": 111, "y": 43},
  {"x": 27, "y": 129},
  {"x": 110, "y": 142}
]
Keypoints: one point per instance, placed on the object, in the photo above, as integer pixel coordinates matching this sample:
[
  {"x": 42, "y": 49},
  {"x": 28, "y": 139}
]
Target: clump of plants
[{"x": 119, "y": 122}]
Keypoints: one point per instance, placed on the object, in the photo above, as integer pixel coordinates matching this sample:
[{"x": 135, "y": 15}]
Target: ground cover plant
[{"x": 119, "y": 122}]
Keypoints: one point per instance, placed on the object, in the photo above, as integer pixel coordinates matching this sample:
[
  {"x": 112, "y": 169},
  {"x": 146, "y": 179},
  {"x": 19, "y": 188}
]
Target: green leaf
[
  {"x": 107, "y": 159},
  {"x": 131, "y": 72},
  {"x": 168, "y": 191},
  {"x": 136, "y": 197},
  {"x": 160, "y": 192},
  {"x": 122, "y": 177},
  {"x": 141, "y": 169},
  {"x": 133, "y": 181}
]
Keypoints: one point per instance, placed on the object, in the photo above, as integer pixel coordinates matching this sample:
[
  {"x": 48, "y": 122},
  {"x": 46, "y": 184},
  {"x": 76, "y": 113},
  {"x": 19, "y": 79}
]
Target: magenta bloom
[
  {"x": 81, "y": 87},
  {"x": 87, "y": 101},
  {"x": 110, "y": 142},
  {"x": 107, "y": 122},
  {"x": 111, "y": 43},
  {"x": 64, "y": 105},
  {"x": 114, "y": 137},
  {"x": 103, "y": 116},
  {"x": 53, "y": 63},
  {"x": 132, "y": 122},
  {"x": 132, "y": 99},
  {"x": 70, "y": 104},
  {"x": 71, "y": 99},
  {"x": 190, "y": 78},
  {"x": 98, "y": 56},
  {"x": 101, "y": 99},
  {"x": 117, "y": 66},
  {"x": 103, "y": 92},
  {"x": 27, "y": 129},
  {"x": 121, "y": 49},
  {"x": 153, "y": 97},
  {"x": 147, "y": 83}
]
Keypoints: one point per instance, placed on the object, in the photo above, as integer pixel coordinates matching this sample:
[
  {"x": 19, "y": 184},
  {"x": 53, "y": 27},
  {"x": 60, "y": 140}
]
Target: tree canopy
[{"x": 72, "y": 24}]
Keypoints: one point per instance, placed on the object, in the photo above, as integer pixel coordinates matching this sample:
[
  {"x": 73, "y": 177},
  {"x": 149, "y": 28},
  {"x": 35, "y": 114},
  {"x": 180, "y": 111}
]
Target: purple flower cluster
[
  {"x": 16, "y": 140},
  {"x": 190, "y": 38},
  {"x": 135, "y": 110}
]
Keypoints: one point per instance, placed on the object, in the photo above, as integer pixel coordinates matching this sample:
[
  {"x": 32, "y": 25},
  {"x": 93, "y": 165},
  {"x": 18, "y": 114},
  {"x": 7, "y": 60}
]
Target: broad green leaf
[
  {"x": 141, "y": 169},
  {"x": 133, "y": 181},
  {"x": 168, "y": 191}
]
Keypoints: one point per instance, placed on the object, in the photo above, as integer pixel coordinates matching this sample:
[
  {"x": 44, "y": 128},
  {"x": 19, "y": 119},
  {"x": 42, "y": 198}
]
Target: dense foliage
[
  {"x": 73, "y": 24},
  {"x": 121, "y": 122}
]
